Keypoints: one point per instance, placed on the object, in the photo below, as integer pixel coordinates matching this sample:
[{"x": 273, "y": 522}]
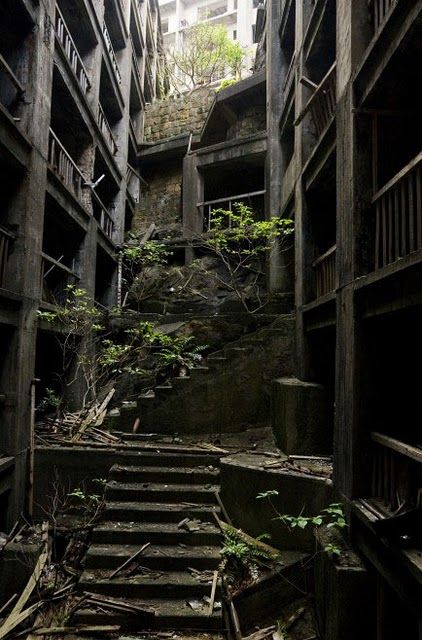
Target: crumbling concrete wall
[
  {"x": 177, "y": 115},
  {"x": 162, "y": 202},
  {"x": 250, "y": 121}
]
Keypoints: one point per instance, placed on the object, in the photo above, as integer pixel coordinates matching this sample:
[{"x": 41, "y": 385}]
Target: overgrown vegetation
[
  {"x": 208, "y": 54},
  {"x": 243, "y": 560},
  {"x": 332, "y": 517},
  {"x": 98, "y": 357}
]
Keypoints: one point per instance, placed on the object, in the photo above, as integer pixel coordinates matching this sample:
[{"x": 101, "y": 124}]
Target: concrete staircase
[
  {"x": 229, "y": 392},
  {"x": 168, "y": 501}
]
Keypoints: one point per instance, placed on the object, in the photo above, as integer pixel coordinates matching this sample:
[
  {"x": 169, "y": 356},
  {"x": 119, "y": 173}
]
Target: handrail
[
  {"x": 71, "y": 51},
  {"x": 6, "y": 238},
  {"x": 112, "y": 53},
  {"x": 140, "y": 178},
  {"x": 320, "y": 88},
  {"x": 324, "y": 256},
  {"x": 12, "y": 77},
  {"x": 401, "y": 174},
  {"x": 106, "y": 130},
  {"x": 59, "y": 265},
  {"x": 64, "y": 166},
  {"x": 105, "y": 220},
  {"x": 289, "y": 71},
  {"x": 242, "y": 195},
  {"x": 397, "y": 445}
]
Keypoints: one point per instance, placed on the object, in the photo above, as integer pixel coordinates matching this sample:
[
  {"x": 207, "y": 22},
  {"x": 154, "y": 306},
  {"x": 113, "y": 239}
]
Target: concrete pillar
[{"x": 301, "y": 417}]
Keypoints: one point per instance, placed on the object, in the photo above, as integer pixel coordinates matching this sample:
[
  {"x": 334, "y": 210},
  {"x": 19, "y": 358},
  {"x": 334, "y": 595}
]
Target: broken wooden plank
[
  {"x": 213, "y": 591},
  {"x": 130, "y": 560},
  {"x": 222, "y": 507},
  {"x": 270, "y": 551},
  {"x": 46, "y": 631}
]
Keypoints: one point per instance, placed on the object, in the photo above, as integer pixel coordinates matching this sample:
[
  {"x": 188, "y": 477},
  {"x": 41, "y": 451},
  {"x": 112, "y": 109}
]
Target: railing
[
  {"x": 106, "y": 130},
  {"x": 112, "y": 54},
  {"x": 14, "y": 80},
  {"x": 64, "y": 167},
  {"x": 395, "y": 472},
  {"x": 55, "y": 280},
  {"x": 322, "y": 103},
  {"x": 289, "y": 74},
  {"x": 102, "y": 215},
  {"x": 6, "y": 241},
  {"x": 134, "y": 183},
  {"x": 380, "y": 8},
  {"x": 206, "y": 208},
  {"x": 325, "y": 272},
  {"x": 398, "y": 215},
  {"x": 71, "y": 52}
]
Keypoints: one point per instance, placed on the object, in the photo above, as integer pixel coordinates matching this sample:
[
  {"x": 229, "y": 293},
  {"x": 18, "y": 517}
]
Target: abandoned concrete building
[{"x": 305, "y": 406}]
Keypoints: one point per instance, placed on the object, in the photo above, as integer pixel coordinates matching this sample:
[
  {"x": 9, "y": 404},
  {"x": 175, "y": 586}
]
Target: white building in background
[{"x": 239, "y": 16}]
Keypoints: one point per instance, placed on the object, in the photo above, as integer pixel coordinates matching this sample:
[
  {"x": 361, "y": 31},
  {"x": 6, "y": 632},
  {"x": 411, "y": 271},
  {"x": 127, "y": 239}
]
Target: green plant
[
  {"x": 208, "y": 53},
  {"x": 241, "y": 245},
  {"x": 139, "y": 260},
  {"x": 241, "y": 557},
  {"x": 332, "y": 517},
  {"x": 88, "y": 505},
  {"x": 50, "y": 401},
  {"x": 180, "y": 352}
]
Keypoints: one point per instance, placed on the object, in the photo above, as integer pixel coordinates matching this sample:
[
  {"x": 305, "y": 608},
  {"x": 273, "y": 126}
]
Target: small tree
[{"x": 207, "y": 54}]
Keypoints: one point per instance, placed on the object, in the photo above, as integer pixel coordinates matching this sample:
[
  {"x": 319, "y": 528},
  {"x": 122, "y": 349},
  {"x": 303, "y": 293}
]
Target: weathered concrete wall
[
  {"x": 300, "y": 417},
  {"x": 161, "y": 203},
  {"x": 231, "y": 397},
  {"x": 177, "y": 115},
  {"x": 242, "y": 480},
  {"x": 250, "y": 121},
  {"x": 345, "y": 594}
]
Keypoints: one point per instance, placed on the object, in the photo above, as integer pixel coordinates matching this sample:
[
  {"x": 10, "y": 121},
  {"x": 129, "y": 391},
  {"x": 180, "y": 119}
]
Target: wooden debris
[
  {"x": 270, "y": 551},
  {"x": 235, "y": 621},
  {"x": 130, "y": 560},
  {"x": 212, "y": 447},
  {"x": 96, "y": 599},
  {"x": 8, "y": 603},
  {"x": 81, "y": 629},
  {"x": 262, "y": 633},
  {"x": 213, "y": 591},
  {"x": 222, "y": 507},
  {"x": 291, "y": 621}
]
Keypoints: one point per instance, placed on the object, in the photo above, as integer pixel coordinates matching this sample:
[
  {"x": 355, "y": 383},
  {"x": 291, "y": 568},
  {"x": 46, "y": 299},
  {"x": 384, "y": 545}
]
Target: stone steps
[
  {"x": 156, "y": 533},
  {"x": 162, "y": 512},
  {"x": 166, "y": 504},
  {"x": 160, "y": 557},
  {"x": 148, "y": 492},
  {"x": 167, "y": 614},
  {"x": 178, "y": 475},
  {"x": 174, "y": 584}
]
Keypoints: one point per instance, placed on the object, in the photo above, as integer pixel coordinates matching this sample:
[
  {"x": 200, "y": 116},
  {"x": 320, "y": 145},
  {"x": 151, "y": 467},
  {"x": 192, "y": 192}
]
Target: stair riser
[
  {"x": 134, "y": 623},
  {"x": 131, "y": 590},
  {"x": 169, "y": 460},
  {"x": 169, "y": 477},
  {"x": 158, "y": 562},
  {"x": 145, "y": 495},
  {"x": 118, "y": 536},
  {"x": 133, "y": 515}
]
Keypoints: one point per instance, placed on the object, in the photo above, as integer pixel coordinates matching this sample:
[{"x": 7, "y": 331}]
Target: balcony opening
[
  {"x": 108, "y": 98},
  {"x": 48, "y": 370},
  {"x": 62, "y": 244},
  {"x": 76, "y": 32},
  {"x": 287, "y": 134},
  {"x": 15, "y": 42},
  {"x": 320, "y": 41},
  {"x": 136, "y": 110},
  {"x": 237, "y": 181},
  {"x": 67, "y": 123},
  {"x": 105, "y": 273},
  {"x": 393, "y": 400},
  {"x": 322, "y": 351},
  {"x": 113, "y": 23},
  {"x": 321, "y": 223},
  {"x": 288, "y": 34}
]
